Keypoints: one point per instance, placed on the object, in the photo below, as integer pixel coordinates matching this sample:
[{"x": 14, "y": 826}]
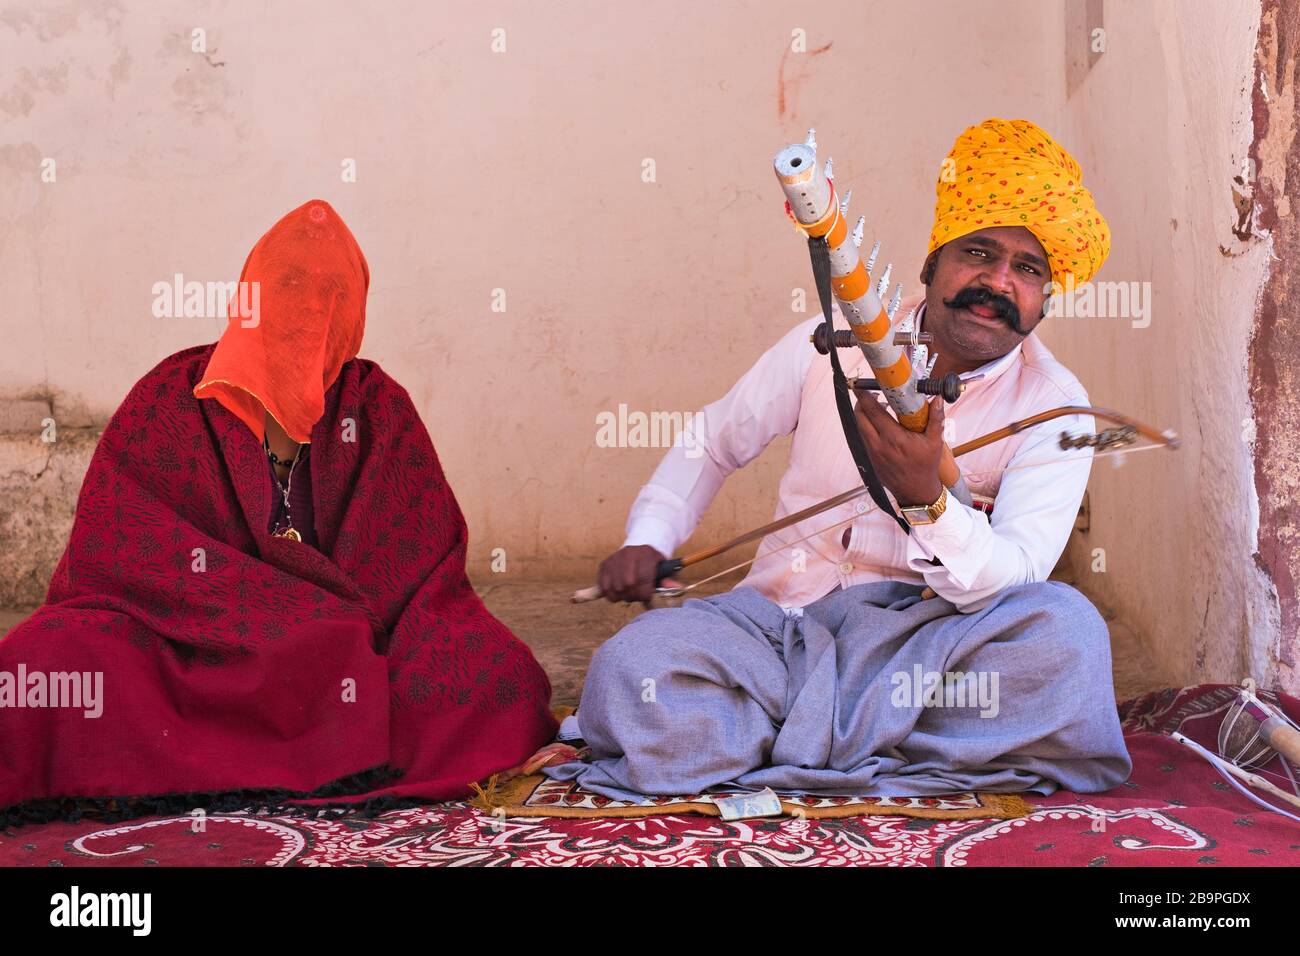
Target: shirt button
[
  {"x": 846, "y": 567},
  {"x": 860, "y": 507}
]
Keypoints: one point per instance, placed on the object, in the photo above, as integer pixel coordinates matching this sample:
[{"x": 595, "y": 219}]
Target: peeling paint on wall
[{"x": 1275, "y": 346}]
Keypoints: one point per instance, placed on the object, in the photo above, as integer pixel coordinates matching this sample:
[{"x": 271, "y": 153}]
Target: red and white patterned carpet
[{"x": 1174, "y": 811}]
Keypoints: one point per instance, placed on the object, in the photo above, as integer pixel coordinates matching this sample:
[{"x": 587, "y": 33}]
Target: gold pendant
[{"x": 291, "y": 533}]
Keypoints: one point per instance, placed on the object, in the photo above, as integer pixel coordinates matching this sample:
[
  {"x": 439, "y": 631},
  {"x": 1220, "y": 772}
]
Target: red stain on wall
[{"x": 784, "y": 83}]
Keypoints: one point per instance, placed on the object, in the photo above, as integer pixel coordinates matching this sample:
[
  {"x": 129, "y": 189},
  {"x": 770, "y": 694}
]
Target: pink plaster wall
[{"x": 522, "y": 171}]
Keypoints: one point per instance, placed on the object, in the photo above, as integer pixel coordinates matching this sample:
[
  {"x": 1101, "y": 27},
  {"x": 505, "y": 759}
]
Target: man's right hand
[{"x": 629, "y": 574}]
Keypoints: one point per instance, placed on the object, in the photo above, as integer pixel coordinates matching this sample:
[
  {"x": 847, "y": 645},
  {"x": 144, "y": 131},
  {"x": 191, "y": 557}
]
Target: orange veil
[{"x": 299, "y": 314}]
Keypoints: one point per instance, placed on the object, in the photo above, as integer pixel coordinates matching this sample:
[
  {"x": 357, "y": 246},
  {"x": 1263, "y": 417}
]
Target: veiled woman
[{"x": 267, "y": 567}]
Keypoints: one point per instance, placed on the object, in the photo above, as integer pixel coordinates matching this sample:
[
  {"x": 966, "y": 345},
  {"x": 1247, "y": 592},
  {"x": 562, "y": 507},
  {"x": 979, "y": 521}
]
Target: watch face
[{"x": 919, "y": 515}]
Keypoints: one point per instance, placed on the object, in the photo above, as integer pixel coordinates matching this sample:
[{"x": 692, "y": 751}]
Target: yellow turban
[{"x": 1011, "y": 173}]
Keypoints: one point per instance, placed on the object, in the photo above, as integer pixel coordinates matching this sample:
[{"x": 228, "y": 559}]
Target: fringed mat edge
[{"x": 507, "y": 798}]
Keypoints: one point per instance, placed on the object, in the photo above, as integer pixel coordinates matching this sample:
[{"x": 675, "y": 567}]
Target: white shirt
[{"x": 1037, "y": 487}]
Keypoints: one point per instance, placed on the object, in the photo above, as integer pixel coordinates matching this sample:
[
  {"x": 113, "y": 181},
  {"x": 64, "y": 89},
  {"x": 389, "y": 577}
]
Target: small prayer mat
[{"x": 536, "y": 795}]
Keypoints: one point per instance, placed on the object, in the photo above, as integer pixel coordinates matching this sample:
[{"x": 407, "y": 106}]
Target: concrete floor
[
  {"x": 11, "y": 616},
  {"x": 561, "y": 634},
  {"x": 564, "y": 635}
]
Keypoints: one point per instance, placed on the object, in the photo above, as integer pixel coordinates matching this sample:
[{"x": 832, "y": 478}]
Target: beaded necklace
[{"x": 288, "y": 531}]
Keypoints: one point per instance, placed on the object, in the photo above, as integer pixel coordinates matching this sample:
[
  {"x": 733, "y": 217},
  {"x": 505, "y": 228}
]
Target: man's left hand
[{"x": 907, "y": 462}]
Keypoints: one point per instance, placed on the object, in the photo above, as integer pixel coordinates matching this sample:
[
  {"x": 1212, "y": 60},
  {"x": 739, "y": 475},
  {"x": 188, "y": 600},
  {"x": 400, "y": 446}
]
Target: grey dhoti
[{"x": 870, "y": 691}]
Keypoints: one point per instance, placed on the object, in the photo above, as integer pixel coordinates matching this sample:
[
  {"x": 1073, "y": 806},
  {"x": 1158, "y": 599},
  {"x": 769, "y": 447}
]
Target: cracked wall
[{"x": 43, "y": 458}]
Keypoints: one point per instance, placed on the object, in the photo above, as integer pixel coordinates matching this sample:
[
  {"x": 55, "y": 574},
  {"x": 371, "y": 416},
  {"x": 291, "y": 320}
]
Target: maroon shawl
[{"x": 237, "y": 665}]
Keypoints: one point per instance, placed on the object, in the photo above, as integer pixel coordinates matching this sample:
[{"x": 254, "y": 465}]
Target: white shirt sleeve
[
  {"x": 722, "y": 437},
  {"x": 1034, "y": 512}
]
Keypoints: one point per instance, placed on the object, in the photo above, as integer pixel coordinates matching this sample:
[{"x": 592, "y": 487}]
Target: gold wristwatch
[{"x": 926, "y": 514}]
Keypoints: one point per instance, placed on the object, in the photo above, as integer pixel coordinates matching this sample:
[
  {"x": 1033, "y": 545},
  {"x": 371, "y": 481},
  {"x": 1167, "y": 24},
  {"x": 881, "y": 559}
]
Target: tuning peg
[
  {"x": 884, "y": 281},
  {"x": 830, "y": 167},
  {"x": 857, "y": 230},
  {"x": 811, "y": 141},
  {"x": 893, "y": 303},
  {"x": 871, "y": 259}
]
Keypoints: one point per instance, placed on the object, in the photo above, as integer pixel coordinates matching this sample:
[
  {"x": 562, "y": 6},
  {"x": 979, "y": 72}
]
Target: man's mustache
[{"x": 1004, "y": 308}]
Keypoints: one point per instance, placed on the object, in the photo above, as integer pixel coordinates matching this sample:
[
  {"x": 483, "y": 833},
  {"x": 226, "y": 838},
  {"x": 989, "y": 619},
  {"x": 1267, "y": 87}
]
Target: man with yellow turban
[
  {"x": 856, "y": 658},
  {"x": 1012, "y": 223}
]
